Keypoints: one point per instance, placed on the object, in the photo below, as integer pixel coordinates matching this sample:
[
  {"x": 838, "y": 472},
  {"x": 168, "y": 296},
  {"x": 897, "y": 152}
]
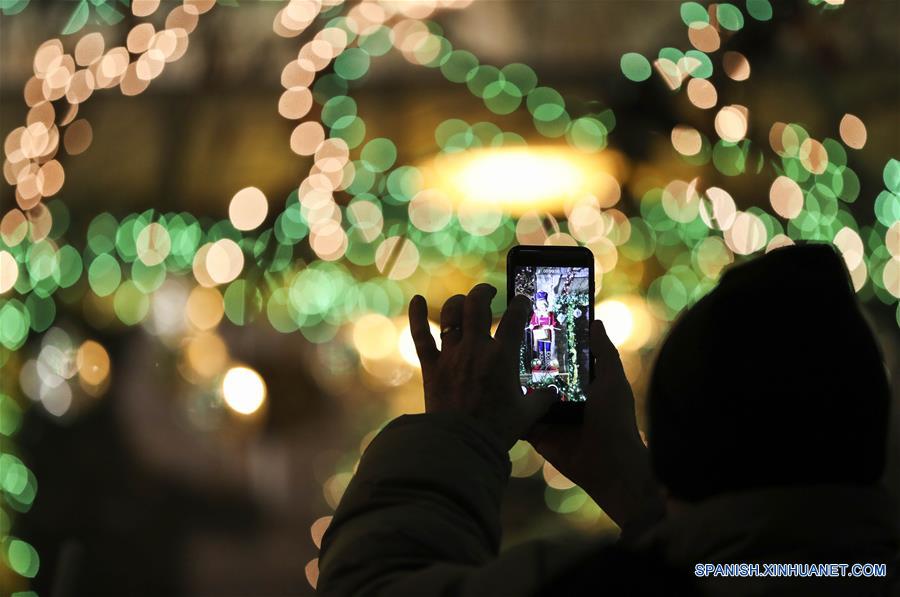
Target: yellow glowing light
[
  {"x": 312, "y": 572},
  {"x": 704, "y": 37},
  {"x": 731, "y": 123},
  {"x": 527, "y": 463},
  {"x": 13, "y": 228},
  {"x": 9, "y": 271},
  {"x": 248, "y": 208},
  {"x": 397, "y": 258},
  {"x": 736, "y": 66},
  {"x": 244, "y": 390},
  {"x": 813, "y": 156},
  {"x": 853, "y": 131},
  {"x": 686, "y": 140},
  {"x": 556, "y": 479},
  {"x": 206, "y": 354},
  {"x": 92, "y": 361},
  {"x": 890, "y": 275},
  {"x": 778, "y": 241},
  {"x": 144, "y": 8},
  {"x": 747, "y": 235},
  {"x": 617, "y": 320},
  {"x": 407, "y": 347},
  {"x": 786, "y": 197},
  {"x": 204, "y": 308},
  {"x": 851, "y": 247},
  {"x": 520, "y": 179},
  {"x": 628, "y": 321},
  {"x": 374, "y": 336},
  {"x": 892, "y": 239},
  {"x": 224, "y": 261},
  {"x": 318, "y": 528},
  {"x": 153, "y": 244}
]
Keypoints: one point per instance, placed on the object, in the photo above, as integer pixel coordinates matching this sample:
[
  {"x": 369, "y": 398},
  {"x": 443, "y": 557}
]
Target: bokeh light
[
  {"x": 388, "y": 198},
  {"x": 244, "y": 390},
  {"x": 617, "y": 320},
  {"x": 248, "y": 209},
  {"x": 518, "y": 180}
]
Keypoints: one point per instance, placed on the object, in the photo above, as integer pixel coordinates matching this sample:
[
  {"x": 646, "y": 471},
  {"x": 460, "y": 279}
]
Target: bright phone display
[{"x": 555, "y": 350}]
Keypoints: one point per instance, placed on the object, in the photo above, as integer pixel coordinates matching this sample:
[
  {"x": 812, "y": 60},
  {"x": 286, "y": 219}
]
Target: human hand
[
  {"x": 474, "y": 373},
  {"x": 605, "y": 454}
]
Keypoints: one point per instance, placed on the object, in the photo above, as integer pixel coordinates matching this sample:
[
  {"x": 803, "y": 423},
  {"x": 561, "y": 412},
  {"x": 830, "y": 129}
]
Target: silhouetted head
[{"x": 772, "y": 379}]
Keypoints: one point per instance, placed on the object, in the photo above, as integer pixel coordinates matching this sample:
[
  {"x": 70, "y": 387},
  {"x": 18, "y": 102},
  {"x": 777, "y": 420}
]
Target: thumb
[
  {"x": 610, "y": 382},
  {"x": 608, "y": 363},
  {"x": 538, "y": 402}
]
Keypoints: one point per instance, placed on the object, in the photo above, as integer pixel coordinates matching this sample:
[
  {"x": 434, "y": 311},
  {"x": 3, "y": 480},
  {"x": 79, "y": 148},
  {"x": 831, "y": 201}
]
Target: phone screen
[{"x": 555, "y": 350}]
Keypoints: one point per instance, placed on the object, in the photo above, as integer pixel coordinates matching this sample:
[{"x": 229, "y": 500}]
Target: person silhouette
[{"x": 767, "y": 437}]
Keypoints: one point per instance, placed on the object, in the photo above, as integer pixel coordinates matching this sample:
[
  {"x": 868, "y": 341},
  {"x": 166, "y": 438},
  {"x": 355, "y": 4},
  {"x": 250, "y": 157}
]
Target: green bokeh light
[
  {"x": 336, "y": 108},
  {"x": 104, "y": 275},
  {"x": 379, "y": 154},
  {"x": 131, "y": 305},
  {"x": 693, "y": 14},
  {"x": 243, "y": 302},
  {"x": 377, "y": 42},
  {"x": 729, "y": 16},
  {"x": 546, "y": 104},
  {"x": 14, "y": 323},
  {"x": 761, "y": 10},
  {"x": 41, "y": 312},
  {"x": 101, "y": 234},
  {"x": 459, "y": 66},
  {"x": 481, "y": 77},
  {"x": 352, "y": 63},
  {"x": 10, "y": 415},
  {"x": 635, "y": 67},
  {"x": 587, "y": 134},
  {"x": 23, "y": 558}
]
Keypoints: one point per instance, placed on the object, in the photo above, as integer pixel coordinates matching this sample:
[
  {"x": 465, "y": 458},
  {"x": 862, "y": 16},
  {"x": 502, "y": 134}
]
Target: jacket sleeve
[{"x": 422, "y": 517}]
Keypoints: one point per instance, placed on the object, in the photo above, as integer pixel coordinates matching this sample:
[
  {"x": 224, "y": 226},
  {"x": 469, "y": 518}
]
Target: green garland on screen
[{"x": 571, "y": 305}]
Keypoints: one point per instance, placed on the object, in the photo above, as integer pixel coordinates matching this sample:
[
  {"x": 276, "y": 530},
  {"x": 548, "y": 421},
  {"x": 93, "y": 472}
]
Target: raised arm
[
  {"x": 605, "y": 455},
  {"x": 421, "y": 516}
]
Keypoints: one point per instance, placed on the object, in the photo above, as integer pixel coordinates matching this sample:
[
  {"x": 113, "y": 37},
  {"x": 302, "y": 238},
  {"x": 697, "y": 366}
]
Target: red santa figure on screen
[{"x": 543, "y": 326}]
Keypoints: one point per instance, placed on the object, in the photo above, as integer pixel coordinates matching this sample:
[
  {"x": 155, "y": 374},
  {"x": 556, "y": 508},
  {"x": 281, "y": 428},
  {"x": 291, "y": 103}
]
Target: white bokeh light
[
  {"x": 243, "y": 390},
  {"x": 617, "y": 319}
]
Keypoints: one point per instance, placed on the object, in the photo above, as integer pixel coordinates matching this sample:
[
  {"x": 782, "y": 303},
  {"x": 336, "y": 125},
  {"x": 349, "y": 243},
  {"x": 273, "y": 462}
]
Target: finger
[
  {"x": 550, "y": 440},
  {"x": 451, "y": 319},
  {"x": 610, "y": 386},
  {"x": 605, "y": 354},
  {"x": 477, "y": 311},
  {"x": 537, "y": 404},
  {"x": 512, "y": 325},
  {"x": 541, "y": 430},
  {"x": 421, "y": 332}
]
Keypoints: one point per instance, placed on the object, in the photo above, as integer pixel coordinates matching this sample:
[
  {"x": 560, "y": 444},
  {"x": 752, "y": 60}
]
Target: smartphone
[{"x": 555, "y": 350}]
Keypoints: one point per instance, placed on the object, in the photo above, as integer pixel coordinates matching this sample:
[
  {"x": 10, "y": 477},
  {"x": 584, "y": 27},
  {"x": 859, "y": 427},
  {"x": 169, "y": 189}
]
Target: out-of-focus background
[{"x": 214, "y": 213}]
